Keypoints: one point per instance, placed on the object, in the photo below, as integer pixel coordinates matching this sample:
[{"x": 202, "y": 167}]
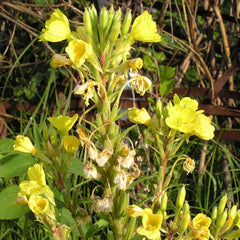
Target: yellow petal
[
  {"x": 36, "y": 173},
  {"x": 203, "y": 128}
]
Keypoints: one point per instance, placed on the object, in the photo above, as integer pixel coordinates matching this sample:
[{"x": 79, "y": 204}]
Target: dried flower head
[
  {"x": 188, "y": 165},
  {"x": 103, "y": 205},
  {"x": 90, "y": 171}
]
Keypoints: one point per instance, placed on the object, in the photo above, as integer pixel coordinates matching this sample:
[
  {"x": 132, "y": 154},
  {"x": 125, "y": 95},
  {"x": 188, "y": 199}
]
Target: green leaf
[
  {"x": 16, "y": 164},
  {"x": 64, "y": 216},
  {"x": 8, "y": 209},
  {"x": 166, "y": 79},
  {"x": 149, "y": 63},
  {"x": 97, "y": 226},
  {"x": 6, "y": 145},
  {"x": 233, "y": 235},
  {"x": 166, "y": 87},
  {"x": 37, "y": 135},
  {"x": 77, "y": 167}
]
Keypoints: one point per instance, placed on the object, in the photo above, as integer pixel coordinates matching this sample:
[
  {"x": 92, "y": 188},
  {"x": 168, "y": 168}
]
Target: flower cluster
[
  {"x": 37, "y": 194},
  {"x": 102, "y": 45}
]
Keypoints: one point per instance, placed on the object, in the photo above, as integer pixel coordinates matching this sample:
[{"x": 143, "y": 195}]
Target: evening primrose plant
[{"x": 88, "y": 174}]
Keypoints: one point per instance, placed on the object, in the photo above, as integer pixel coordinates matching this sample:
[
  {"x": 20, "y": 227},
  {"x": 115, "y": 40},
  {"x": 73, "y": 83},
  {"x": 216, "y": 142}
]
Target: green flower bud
[
  {"x": 126, "y": 22},
  {"x": 214, "y": 213},
  {"x": 111, "y": 14},
  {"x": 45, "y": 133},
  {"x": 222, "y": 204},
  {"x": 53, "y": 137},
  {"x": 103, "y": 19},
  {"x": 87, "y": 22},
  {"x": 159, "y": 107},
  {"x": 233, "y": 212},
  {"x": 221, "y": 219},
  {"x": 185, "y": 208},
  {"x": 164, "y": 202},
  {"x": 181, "y": 197},
  {"x": 115, "y": 31},
  {"x": 184, "y": 223}
]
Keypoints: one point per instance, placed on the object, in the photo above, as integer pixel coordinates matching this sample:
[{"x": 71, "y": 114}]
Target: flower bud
[
  {"x": 181, "y": 197},
  {"x": 164, "y": 202},
  {"x": 87, "y": 22},
  {"x": 222, "y": 204},
  {"x": 221, "y": 219},
  {"x": 115, "y": 31},
  {"x": 45, "y": 133},
  {"x": 214, "y": 213},
  {"x": 126, "y": 22},
  {"x": 233, "y": 212},
  {"x": 103, "y": 19},
  {"x": 185, "y": 208},
  {"x": 185, "y": 221},
  {"x": 53, "y": 137}
]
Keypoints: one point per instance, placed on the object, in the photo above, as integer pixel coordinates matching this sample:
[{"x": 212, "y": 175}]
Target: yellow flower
[
  {"x": 86, "y": 90},
  {"x": 23, "y": 144},
  {"x": 38, "y": 204},
  {"x": 151, "y": 224},
  {"x": 140, "y": 84},
  {"x": 78, "y": 51},
  {"x": 36, "y": 184},
  {"x": 201, "y": 220},
  {"x": 144, "y": 29},
  {"x": 140, "y": 116},
  {"x": 63, "y": 123},
  {"x": 59, "y": 60},
  {"x": 203, "y": 128},
  {"x": 56, "y": 28},
  {"x": 71, "y": 144},
  {"x": 188, "y": 165}
]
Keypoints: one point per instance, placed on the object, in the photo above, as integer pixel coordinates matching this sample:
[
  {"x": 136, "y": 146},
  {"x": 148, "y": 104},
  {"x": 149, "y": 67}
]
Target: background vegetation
[{"x": 199, "y": 56}]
